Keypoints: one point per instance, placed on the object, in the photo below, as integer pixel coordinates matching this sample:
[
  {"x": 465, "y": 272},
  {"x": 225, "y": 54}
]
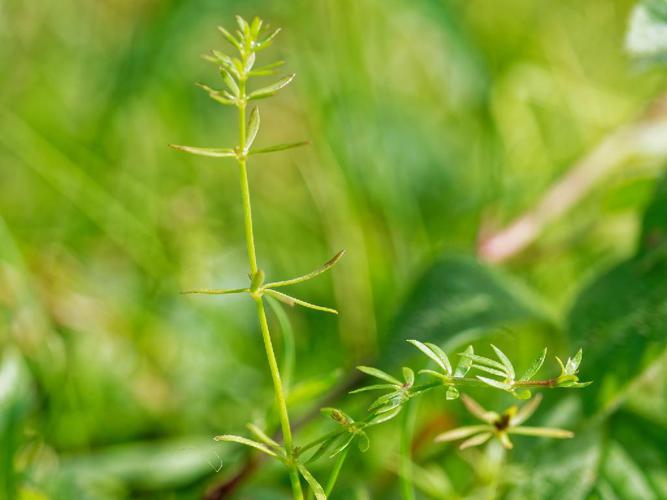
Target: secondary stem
[{"x": 261, "y": 313}]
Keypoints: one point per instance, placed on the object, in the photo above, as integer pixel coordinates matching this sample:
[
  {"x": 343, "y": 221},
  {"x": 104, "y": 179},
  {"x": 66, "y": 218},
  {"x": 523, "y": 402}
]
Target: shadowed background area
[{"x": 434, "y": 125}]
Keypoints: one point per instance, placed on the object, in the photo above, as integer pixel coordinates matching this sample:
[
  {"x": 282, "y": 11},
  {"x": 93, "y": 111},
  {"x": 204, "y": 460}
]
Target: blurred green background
[{"x": 433, "y": 124}]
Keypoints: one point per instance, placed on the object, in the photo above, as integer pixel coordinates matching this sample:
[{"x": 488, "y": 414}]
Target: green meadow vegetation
[{"x": 488, "y": 176}]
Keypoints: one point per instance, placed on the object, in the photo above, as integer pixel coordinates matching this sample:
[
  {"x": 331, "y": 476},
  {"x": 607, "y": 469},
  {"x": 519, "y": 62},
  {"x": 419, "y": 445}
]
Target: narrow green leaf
[
  {"x": 278, "y": 147},
  {"x": 408, "y": 376},
  {"x": 256, "y": 26},
  {"x": 245, "y": 441},
  {"x": 446, "y": 367},
  {"x": 271, "y": 89},
  {"x": 464, "y": 363},
  {"x": 261, "y": 435},
  {"x": 375, "y": 387},
  {"x": 230, "y": 82},
  {"x": 484, "y": 361},
  {"x": 492, "y": 371},
  {"x": 226, "y": 98},
  {"x": 317, "y": 489},
  {"x": 325, "y": 446},
  {"x": 250, "y": 62},
  {"x": 267, "y": 69},
  {"x": 327, "y": 265},
  {"x": 243, "y": 25},
  {"x": 384, "y": 417},
  {"x": 509, "y": 368},
  {"x": 535, "y": 366},
  {"x": 229, "y": 37},
  {"x": 572, "y": 365},
  {"x": 253, "y": 128},
  {"x": 291, "y": 301},
  {"x": 212, "y": 152},
  {"x": 433, "y": 373},
  {"x": 363, "y": 443},
  {"x": 374, "y": 372},
  {"x": 341, "y": 447},
  {"x": 266, "y": 42},
  {"x": 495, "y": 383},
  {"x": 211, "y": 291}
]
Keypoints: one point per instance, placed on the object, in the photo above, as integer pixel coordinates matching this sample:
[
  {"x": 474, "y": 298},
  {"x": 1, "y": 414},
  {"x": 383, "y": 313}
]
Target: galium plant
[{"x": 237, "y": 72}]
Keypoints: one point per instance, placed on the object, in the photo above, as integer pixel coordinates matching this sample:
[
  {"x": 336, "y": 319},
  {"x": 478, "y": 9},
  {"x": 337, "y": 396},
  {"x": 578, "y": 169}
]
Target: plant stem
[
  {"x": 407, "y": 423},
  {"x": 261, "y": 313},
  {"x": 333, "y": 477}
]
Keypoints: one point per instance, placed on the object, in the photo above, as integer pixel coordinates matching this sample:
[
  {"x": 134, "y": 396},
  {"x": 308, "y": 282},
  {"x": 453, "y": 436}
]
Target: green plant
[{"x": 236, "y": 71}]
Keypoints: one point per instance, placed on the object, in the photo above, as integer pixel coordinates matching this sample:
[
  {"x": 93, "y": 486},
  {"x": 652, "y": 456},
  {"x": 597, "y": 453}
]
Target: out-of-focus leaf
[
  {"x": 625, "y": 477},
  {"x": 647, "y": 35},
  {"x": 461, "y": 297},
  {"x": 15, "y": 399},
  {"x": 619, "y": 319}
]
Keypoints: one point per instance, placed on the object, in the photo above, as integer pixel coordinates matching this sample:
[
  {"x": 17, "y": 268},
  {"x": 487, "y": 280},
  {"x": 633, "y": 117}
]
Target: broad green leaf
[
  {"x": 374, "y": 372},
  {"x": 253, "y": 128},
  {"x": 212, "y": 152},
  {"x": 270, "y": 90}
]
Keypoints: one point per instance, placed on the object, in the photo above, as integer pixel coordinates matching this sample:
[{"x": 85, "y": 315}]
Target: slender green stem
[
  {"x": 333, "y": 477},
  {"x": 407, "y": 424},
  {"x": 261, "y": 313}
]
